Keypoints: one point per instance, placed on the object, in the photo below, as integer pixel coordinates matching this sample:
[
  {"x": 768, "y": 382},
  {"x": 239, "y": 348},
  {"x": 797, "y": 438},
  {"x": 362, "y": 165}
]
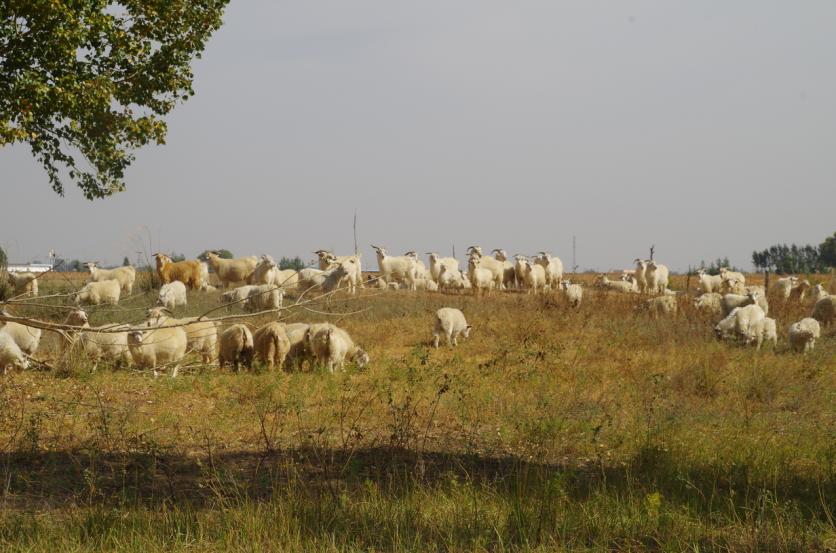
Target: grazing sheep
[
  {"x": 552, "y": 268},
  {"x": 95, "y": 293},
  {"x": 201, "y": 336},
  {"x": 236, "y": 347},
  {"x": 765, "y": 330},
  {"x": 640, "y": 275},
  {"x": 450, "y": 322},
  {"x": 450, "y": 279},
  {"x": 158, "y": 346},
  {"x": 707, "y": 283},
  {"x": 481, "y": 279},
  {"x": 618, "y": 285},
  {"x": 437, "y": 263},
  {"x": 331, "y": 346},
  {"x": 297, "y": 338},
  {"x": 710, "y": 302},
  {"x": 26, "y": 284},
  {"x": 573, "y": 293},
  {"x": 396, "y": 269},
  {"x": 824, "y": 310},
  {"x": 172, "y": 295},
  {"x": 189, "y": 272},
  {"x": 426, "y": 284},
  {"x": 656, "y": 275},
  {"x": 230, "y": 271},
  {"x": 803, "y": 334},
  {"x": 125, "y": 275},
  {"x": 271, "y": 344},
  {"x": 264, "y": 297},
  {"x": 730, "y": 301},
  {"x": 27, "y": 338},
  {"x": 237, "y": 295},
  {"x": 660, "y": 305},
  {"x": 509, "y": 279},
  {"x": 741, "y": 322},
  {"x": 11, "y": 355},
  {"x": 97, "y": 345}
]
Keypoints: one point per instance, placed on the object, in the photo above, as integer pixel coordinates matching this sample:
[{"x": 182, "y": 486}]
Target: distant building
[{"x": 29, "y": 268}]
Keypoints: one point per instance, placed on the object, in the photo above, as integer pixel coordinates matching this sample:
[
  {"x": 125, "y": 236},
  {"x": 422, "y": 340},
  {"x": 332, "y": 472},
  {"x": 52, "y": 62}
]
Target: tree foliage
[
  {"x": 713, "y": 268},
  {"x": 790, "y": 259},
  {"x": 222, "y": 253},
  {"x": 3, "y": 259},
  {"x": 296, "y": 263},
  {"x": 94, "y": 78}
]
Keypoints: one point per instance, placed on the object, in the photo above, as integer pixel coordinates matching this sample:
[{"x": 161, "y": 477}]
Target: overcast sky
[{"x": 707, "y": 128}]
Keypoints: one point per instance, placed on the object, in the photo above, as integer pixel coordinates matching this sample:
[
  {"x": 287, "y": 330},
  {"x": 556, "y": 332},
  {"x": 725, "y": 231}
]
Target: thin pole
[
  {"x": 574, "y": 251},
  {"x": 355, "y": 231}
]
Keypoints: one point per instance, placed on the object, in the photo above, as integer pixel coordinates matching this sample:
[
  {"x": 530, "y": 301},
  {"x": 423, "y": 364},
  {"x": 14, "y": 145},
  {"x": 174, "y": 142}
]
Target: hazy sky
[{"x": 706, "y": 127}]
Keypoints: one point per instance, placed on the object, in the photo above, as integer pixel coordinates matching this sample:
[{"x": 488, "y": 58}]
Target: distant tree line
[
  {"x": 787, "y": 259},
  {"x": 713, "y": 268}
]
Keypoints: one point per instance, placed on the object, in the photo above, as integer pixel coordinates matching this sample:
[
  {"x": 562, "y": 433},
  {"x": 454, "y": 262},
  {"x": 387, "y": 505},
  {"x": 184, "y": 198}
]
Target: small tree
[
  {"x": 296, "y": 263},
  {"x": 827, "y": 252},
  {"x": 3, "y": 259},
  {"x": 126, "y": 262}
]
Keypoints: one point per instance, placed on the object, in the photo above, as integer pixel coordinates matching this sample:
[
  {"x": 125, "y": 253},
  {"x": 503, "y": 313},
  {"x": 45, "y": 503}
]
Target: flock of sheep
[{"x": 162, "y": 340}]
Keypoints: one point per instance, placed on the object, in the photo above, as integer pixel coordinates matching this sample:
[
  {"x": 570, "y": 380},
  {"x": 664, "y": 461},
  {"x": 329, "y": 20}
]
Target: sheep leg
[
  {"x": 435, "y": 340},
  {"x": 175, "y": 370}
]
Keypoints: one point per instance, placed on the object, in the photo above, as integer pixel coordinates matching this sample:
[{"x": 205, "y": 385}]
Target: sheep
[
  {"x": 733, "y": 286},
  {"x": 158, "y": 346},
  {"x": 552, "y": 267},
  {"x": 237, "y": 295},
  {"x": 818, "y": 293},
  {"x": 783, "y": 286},
  {"x": 573, "y": 293},
  {"x": 397, "y": 269},
  {"x": 426, "y": 284},
  {"x": 803, "y": 334},
  {"x": 532, "y": 275},
  {"x": 437, "y": 263},
  {"x": 708, "y": 284},
  {"x": 640, "y": 275},
  {"x": 656, "y": 276},
  {"x": 188, "y": 272},
  {"x": 617, "y": 285},
  {"x": 331, "y": 346},
  {"x": 726, "y": 274},
  {"x": 112, "y": 346},
  {"x": 230, "y": 271},
  {"x": 660, "y": 305},
  {"x": 201, "y": 335},
  {"x": 95, "y": 293},
  {"x": 265, "y": 271},
  {"x": 509, "y": 278},
  {"x": 420, "y": 269},
  {"x": 764, "y": 330},
  {"x": 172, "y": 295},
  {"x": 264, "y": 297},
  {"x": 710, "y": 302},
  {"x": 27, "y": 338},
  {"x": 339, "y": 272},
  {"x": 236, "y": 347},
  {"x": 481, "y": 279},
  {"x": 450, "y": 279},
  {"x": 354, "y": 278},
  {"x": 799, "y": 291},
  {"x": 450, "y": 322},
  {"x": 496, "y": 267},
  {"x": 204, "y": 278},
  {"x": 11, "y": 355},
  {"x": 297, "y": 338},
  {"x": 824, "y": 310},
  {"x": 271, "y": 344},
  {"x": 125, "y": 275},
  {"x": 25, "y": 284},
  {"x": 741, "y": 322},
  {"x": 730, "y": 301},
  {"x": 309, "y": 278}
]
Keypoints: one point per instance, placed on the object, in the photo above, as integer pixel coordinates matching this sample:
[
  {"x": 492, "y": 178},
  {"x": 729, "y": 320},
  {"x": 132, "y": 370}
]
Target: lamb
[
  {"x": 660, "y": 305},
  {"x": 640, "y": 275},
  {"x": 496, "y": 267},
  {"x": 95, "y": 293},
  {"x": 188, "y": 272},
  {"x": 710, "y": 302},
  {"x": 264, "y": 297},
  {"x": 617, "y": 285},
  {"x": 824, "y": 310},
  {"x": 818, "y": 293},
  {"x": 708, "y": 284},
  {"x": 656, "y": 276},
  {"x": 201, "y": 335},
  {"x": 573, "y": 293},
  {"x": 331, "y": 346},
  {"x": 11, "y": 355},
  {"x": 741, "y": 322},
  {"x": 112, "y": 346},
  {"x": 26, "y": 284},
  {"x": 158, "y": 346},
  {"x": 437, "y": 263},
  {"x": 230, "y": 271},
  {"x": 397, "y": 269},
  {"x": 354, "y": 278},
  {"x": 125, "y": 275},
  {"x": 172, "y": 295},
  {"x": 237, "y": 295},
  {"x": 803, "y": 334},
  {"x": 271, "y": 344},
  {"x": 482, "y": 279},
  {"x": 450, "y": 322},
  {"x": 552, "y": 267},
  {"x": 533, "y": 275},
  {"x": 27, "y": 338},
  {"x": 764, "y": 330},
  {"x": 783, "y": 286},
  {"x": 509, "y": 278},
  {"x": 236, "y": 347}
]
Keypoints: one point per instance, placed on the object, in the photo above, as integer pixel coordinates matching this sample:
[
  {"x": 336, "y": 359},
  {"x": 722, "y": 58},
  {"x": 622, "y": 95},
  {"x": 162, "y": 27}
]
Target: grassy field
[{"x": 550, "y": 429}]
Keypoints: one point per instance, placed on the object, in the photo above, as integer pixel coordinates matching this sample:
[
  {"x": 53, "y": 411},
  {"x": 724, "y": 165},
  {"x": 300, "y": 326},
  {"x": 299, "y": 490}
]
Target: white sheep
[
  {"x": 95, "y": 293},
  {"x": 237, "y": 295},
  {"x": 730, "y": 301},
  {"x": 230, "y": 271},
  {"x": 573, "y": 292},
  {"x": 397, "y": 268},
  {"x": 201, "y": 335},
  {"x": 660, "y": 305},
  {"x": 656, "y": 276},
  {"x": 426, "y": 284},
  {"x": 765, "y": 330},
  {"x": 264, "y": 297},
  {"x": 450, "y": 322},
  {"x": 11, "y": 355},
  {"x": 265, "y": 272},
  {"x": 437, "y": 263},
  {"x": 710, "y": 302},
  {"x": 818, "y": 293},
  {"x": 332, "y": 345},
  {"x": 271, "y": 344},
  {"x": 741, "y": 322},
  {"x": 27, "y": 338},
  {"x": 25, "y": 284},
  {"x": 481, "y": 279},
  {"x": 172, "y": 295},
  {"x": 158, "y": 346},
  {"x": 495, "y": 266},
  {"x": 236, "y": 347},
  {"x": 450, "y": 279},
  {"x": 640, "y": 275},
  {"x": 803, "y": 334},
  {"x": 354, "y": 278},
  {"x": 783, "y": 286},
  {"x": 126, "y": 276},
  {"x": 824, "y": 310},
  {"x": 532, "y": 275},
  {"x": 97, "y": 344},
  {"x": 726, "y": 274},
  {"x": 552, "y": 267},
  {"x": 421, "y": 270},
  {"x": 708, "y": 284},
  {"x": 627, "y": 287},
  {"x": 509, "y": 279},
  {"x": 799, "y": 291},
  {"x": 297, "y": 337}
]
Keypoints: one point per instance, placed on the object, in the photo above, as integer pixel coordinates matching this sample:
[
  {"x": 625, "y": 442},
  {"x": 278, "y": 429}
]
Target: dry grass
[{"x": 549, "y": 429}]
